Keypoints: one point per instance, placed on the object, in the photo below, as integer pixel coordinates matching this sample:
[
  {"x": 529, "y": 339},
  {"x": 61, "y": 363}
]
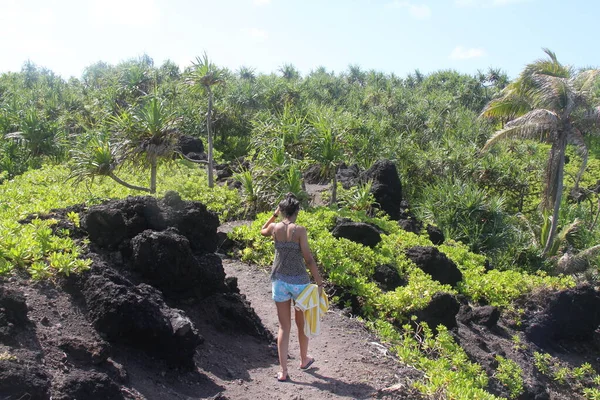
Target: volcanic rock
[
  {"x": 436, "y": 264},
  {"x": 359, "y": 232}
]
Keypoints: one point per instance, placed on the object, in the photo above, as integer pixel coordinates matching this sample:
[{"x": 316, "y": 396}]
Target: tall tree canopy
[{"x": 553, "y": 103}]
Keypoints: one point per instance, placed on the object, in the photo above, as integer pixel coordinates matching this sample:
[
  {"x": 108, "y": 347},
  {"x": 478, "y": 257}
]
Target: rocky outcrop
[
  {"x": 116, "y": 222},
  {"x": 436, "y": 264},
  {"x": 388, "y": 278},
  {"x": 348, "y": 176},
  {"x": 314, "y": 176},
  {"x": 137, "y": 315},
  {"x": 165, "y": 260},
  {"x": 13, "y": 313},
  {"x": 435, "y": 235},
  {"x": 441, "y": 310},
  {"x": 386, "y": 188},
  {"x": 191, "y": 147},
  {"x": 568, "y": 315},
  {"x": 89, "y": 385},
  {"x": 23, "y": 378},
  {"x": 486, "y": 315},
  {"x": 359, "y": 232}
]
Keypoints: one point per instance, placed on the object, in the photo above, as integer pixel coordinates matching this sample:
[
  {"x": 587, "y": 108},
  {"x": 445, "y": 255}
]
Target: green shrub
[{"x": 510, "y": 375}]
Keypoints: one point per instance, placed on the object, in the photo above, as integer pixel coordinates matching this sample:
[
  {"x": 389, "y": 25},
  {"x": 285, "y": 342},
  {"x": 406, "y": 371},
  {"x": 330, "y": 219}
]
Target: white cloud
[
  {"x": 461, "y": 53},
  {"x": 259, "y": 3},
  {"x": 258, "y": 34},
  {"x": 417, "y": 11},
  {"x": 125, "y": 12}
]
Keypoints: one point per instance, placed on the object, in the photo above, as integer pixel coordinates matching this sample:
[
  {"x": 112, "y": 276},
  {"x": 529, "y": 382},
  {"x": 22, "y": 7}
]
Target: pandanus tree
[
  {"x": 152, "y": 137},
  {"x": 326, "y": 147},
  {"x": 142, "y": 138},
  {"x": 553, "y": 103},
  {"x": 202, "y": 77}
]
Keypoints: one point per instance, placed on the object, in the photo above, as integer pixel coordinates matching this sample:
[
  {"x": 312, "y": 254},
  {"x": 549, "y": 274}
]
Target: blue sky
[{"x": 396, "y": 36}]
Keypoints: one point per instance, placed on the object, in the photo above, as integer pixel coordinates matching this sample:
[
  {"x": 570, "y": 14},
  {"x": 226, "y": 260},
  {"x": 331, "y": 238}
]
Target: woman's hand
[{"x": 266, "y": 228}]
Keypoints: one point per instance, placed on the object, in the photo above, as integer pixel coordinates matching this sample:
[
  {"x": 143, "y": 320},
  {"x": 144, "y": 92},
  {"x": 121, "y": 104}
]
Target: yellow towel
[{"x": 314, "y": 307}]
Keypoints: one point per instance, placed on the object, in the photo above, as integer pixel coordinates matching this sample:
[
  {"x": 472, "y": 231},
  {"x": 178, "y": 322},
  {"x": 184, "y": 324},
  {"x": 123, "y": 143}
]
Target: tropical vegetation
[{"x": 508, "y": 170}]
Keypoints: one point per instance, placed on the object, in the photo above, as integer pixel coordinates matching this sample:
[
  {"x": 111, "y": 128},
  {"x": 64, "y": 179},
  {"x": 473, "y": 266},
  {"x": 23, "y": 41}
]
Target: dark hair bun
[{"x": 289, "y": 205}]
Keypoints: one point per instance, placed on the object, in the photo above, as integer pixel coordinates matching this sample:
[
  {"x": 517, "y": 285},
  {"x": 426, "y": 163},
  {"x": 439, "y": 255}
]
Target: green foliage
[
  {"x": 542, "y": 362},
  {"x": 591, "y": 393},
  {"x": 358, "y": 198},
  {"x": 584, "y": 378},
  {"x": 510, "y": 375},
  {"x": 448, "y": 371},
  {"x": 41, "y": 250},
  {"x": 468, "y": 214}
]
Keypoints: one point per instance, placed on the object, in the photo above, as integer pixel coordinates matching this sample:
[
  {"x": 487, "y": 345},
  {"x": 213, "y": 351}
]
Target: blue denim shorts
[{"x": 283, "y": 291}]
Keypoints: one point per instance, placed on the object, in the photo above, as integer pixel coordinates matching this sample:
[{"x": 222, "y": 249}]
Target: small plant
[
  {"x": 518, "y": 343},
  {"x": 542, "y": 362},
  {"x": 359, "y": 197},
  {"x": 74, "y": 218},
  {"x": 510, "y": 375},
  {"x": 66, "y": 263},
  {"x": 583, "y": 371},
  {"x": 39, "y": 270},
  {"x": 591, "y": 393},
  {"x": 561, "y": 375}
]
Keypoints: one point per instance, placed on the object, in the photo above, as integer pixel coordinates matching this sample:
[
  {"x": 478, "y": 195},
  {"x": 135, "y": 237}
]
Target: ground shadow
[
  {"x": 337, "y": 386},
  {"x": 230, "y": 356}
]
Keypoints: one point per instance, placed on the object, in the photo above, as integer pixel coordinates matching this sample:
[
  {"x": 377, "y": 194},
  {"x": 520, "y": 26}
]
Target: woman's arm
[
  {"x": 308, "y": 257},
  {"x": 267, "y": 228}
]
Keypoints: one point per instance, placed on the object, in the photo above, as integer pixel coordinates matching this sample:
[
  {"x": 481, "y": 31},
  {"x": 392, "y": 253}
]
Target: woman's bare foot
[{"x": 282, "y": 376}]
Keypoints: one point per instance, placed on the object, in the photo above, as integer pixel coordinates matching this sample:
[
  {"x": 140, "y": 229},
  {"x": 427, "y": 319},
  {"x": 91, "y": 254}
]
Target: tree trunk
[
  {"x": 334, "y": 187},
  {"x": 210, "y": 139},
  {"x": 556, "y": 196},
  {"x": 153, "y": 177},
  {"x": 128, "y": 185}
]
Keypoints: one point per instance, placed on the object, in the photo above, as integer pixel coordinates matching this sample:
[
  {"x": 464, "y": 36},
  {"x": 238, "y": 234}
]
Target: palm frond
[
  {"x": 512, "y": 103},
  {"x": 535, "y": 124},
  {"x": 553, "y": 92},
  {"x": 569, "y": 263},
  {"x": 585, "y": 80},
  {"x": 15, "y": 136},
  {"x": 550, "y": 67},
  {"x": 204, "y": 74}
]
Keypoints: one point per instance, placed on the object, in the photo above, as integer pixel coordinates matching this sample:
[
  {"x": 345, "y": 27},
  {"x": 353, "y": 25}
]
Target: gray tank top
[{"x": 288, "y": 265}]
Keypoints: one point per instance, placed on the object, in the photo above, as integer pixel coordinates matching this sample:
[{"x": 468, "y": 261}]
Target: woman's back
[{"x": 288, "y": 265}]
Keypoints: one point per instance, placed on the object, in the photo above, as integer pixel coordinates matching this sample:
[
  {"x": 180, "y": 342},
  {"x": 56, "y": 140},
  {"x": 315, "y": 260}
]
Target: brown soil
[{"x": 350, "y": 362}]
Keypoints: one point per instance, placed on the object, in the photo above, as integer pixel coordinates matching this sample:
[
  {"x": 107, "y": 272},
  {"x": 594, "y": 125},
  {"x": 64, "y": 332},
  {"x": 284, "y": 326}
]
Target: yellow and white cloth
[{"x": 314, "y": 307}]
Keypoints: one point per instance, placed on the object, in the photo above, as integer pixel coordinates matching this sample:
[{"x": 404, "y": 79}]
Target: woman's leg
[
  {"x": 284, "y": 315},
  {"x": 302, "y": 338}
]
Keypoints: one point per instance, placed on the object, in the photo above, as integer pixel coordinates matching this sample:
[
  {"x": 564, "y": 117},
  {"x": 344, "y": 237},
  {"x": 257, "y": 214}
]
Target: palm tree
[
  {"x": 550, "y": 102},
  {"x": 204, "y": 75}
]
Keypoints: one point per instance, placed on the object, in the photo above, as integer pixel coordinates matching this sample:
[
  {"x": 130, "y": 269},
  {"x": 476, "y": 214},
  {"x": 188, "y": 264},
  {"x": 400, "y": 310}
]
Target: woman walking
[{"x": 289, "y": 277}]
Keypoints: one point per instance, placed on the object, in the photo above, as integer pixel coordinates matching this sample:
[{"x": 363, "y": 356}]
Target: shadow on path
[{"x": 336, "y": 386}]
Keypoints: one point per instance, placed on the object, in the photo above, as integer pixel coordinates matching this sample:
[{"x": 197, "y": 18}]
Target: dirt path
[{"x": 350, "y": 363}]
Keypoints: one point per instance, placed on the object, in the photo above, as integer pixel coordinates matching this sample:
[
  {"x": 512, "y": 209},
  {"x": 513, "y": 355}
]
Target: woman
[{"x": 289, "y": 277}]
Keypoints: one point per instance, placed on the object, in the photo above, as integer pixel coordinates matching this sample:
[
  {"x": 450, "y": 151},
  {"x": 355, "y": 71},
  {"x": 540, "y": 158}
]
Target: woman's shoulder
[{"x": 300, "y": 229}]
